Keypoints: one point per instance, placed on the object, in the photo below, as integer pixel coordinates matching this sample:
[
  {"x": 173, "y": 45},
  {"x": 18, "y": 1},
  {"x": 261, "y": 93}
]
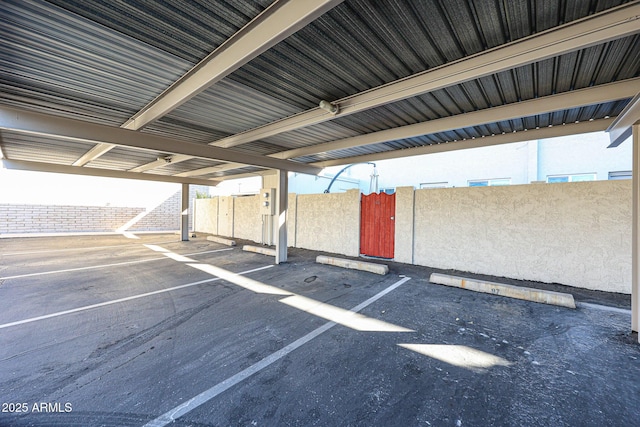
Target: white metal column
[
  {"x": 184, "y": 213},
  {"x": 635, "y": 250},
  {"x": 282, "y": 196}
]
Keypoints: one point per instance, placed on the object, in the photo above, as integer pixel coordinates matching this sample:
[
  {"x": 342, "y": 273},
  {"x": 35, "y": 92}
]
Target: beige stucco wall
[
  {"x": 403, "y": 251},
  {"x": 292, "y": 217},
  {"x": 225, "y": 216},
  {"x": 247, "y": 221},
  {"x": 329, "y": 222},
  {"x": 206, "y": 215},
  {"x": 578, "y": 234}
]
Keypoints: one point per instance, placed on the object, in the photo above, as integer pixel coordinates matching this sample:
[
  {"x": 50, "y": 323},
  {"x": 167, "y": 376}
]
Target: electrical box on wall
[{"x": 268, "y": 201}]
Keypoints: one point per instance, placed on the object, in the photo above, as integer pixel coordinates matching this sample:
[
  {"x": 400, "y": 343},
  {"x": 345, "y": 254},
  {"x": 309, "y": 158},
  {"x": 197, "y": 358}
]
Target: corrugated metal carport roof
[{"x": 392, "y": 68}]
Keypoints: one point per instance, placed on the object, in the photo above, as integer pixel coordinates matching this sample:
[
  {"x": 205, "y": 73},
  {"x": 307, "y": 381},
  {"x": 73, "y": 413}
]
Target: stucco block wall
[
  {"x": 225, "y": 216},
  {"x": 247, "y": 221},
  {"x": 292, "y": 218},
  {"x": 329, "y": 222},
  {"x": 404, "y": 225},
  {"x": 323, "y": 222},
  {"x": 206, "y": 215},
  {"x": 577, "y": 234}
]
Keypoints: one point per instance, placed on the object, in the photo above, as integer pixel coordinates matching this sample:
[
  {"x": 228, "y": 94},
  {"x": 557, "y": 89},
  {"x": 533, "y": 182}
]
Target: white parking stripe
[
  {"x": 92, "y": 248},
  {"x": 202, "y": 398},
  {"x": 116, "y": 301},
  {"x": 42, "y": 273}
]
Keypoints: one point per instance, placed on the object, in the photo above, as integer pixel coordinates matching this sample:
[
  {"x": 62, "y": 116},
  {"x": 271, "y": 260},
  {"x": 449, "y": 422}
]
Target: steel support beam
[
  {"x": 31, "y": 122},
  {"x": 595, "y": 29},
  {"x": 282, "y": 197},
  {"x": 635, "y": 234},
  {"x": 184, "y": 213},
  {"x": 212, "y": 169},
  {"x": 265, "y": 172},
  {"x": 106, "y": 173},
  {"x": 599, "y": 28},
  {"x": 160, "y": 162},
  {"x": 577, "y": 98},
  {"x": 281, "y": 19},
  {"x": 588, "y": 96},
  {"x": 278, "y": 21},
  {"x": 508, "y": 138},
  {"x": 620, "y": 129},
  {"x": 93, "y": 154}
]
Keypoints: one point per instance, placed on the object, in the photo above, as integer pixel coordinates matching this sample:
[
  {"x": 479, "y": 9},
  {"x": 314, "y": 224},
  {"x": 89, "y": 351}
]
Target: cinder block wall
[
  {"x": 17, "y": 219},
  {"x": 26, "y": 218},
  {"x": 162, "y": 218}
]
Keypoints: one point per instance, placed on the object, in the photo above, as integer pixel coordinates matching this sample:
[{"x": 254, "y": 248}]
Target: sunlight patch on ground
[
  {"x": 347, "y": 318},
  {"x": 244, "y": 282},
  {"x": 459, "y": 355},
  {"x": 341, "y": 316}
]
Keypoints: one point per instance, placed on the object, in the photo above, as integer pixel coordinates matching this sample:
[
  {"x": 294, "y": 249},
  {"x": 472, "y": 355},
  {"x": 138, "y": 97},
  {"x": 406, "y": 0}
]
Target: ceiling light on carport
[{"x": 329, "y": 107}]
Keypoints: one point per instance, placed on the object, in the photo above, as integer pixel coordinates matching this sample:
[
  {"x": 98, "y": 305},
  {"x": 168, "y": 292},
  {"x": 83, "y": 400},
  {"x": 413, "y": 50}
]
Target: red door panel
[{"x": 377, "y": 225}]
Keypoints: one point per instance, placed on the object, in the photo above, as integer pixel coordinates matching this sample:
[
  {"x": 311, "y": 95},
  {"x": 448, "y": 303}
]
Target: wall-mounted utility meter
[{"x": 268, "y": 201}]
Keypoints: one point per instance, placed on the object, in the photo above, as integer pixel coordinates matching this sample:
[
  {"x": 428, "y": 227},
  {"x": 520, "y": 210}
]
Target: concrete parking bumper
[
  {"x": 355, "y": 265},
  {"x": 529, "y": 294}
]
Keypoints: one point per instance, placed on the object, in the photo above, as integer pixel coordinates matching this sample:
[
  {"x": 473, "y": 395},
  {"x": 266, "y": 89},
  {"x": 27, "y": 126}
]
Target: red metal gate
[{"x": 377, "y": 225}]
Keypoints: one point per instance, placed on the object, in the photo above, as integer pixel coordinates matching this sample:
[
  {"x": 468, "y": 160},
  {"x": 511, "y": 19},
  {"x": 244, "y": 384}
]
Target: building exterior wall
[
  {"x": 456, "y": 168},
  {"x": 521, "y": 163},
  {"x": 587, "y": 153}
]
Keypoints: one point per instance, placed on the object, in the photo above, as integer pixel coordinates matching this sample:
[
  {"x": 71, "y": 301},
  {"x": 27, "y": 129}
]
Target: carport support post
[
  {"x": 282, "y": 196},
  {"x": 184, "y": 213},
  {"x": 635, "y": 246}
]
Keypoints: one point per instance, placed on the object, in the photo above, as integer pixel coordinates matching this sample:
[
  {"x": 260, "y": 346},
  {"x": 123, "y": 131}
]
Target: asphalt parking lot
[{"x": 110, "y": 331}]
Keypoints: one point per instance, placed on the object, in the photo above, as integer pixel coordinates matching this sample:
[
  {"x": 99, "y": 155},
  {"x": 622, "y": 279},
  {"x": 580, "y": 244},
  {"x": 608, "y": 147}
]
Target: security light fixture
[{"x": 329, "y": 107}]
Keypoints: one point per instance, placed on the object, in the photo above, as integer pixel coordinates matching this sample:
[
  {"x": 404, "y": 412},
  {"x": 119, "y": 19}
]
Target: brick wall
[
  {"x": 164, "y": 217},
  {"x": 22, "y": 219},
  {"x": 63, "y": 219}
]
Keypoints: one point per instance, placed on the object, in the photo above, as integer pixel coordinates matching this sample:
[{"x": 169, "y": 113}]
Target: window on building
[
  {"x": 571, "y": 178},
  {"x": 620, "y": 175},
  {"x": 489, "y": 182},
  {"x": 388, "y": 190},
  {"x": 442, "y": 184}
]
